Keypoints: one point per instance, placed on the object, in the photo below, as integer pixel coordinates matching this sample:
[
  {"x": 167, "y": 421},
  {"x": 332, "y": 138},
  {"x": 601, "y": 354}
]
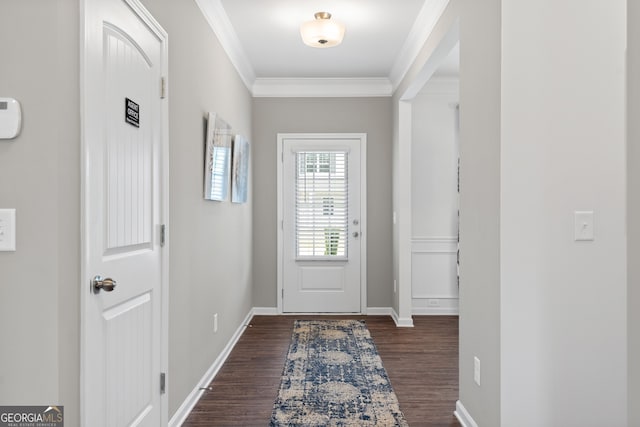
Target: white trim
[
  {"x": 436, "y": 296},
  {"x": 405, "y": 322},
  {"x": 321, "y": 87},
  {"x": 434, "y": 245},
  {"x": 192, "y": 399},
  {"x": 463, "y": 416},
  {"x": 420, "y": 32},
  {"x": 436, "y": 311},
  {"x": 279, "y": 222},
  {"x": 403, "y": 210},
  {"x": 362, "y": 137},
  {"x": 218, "y": 20},
  {"x": 448, "y": 42},
  {"x": 265, "y": 311},
  {"x": 379, "y": 311},
  {"x": 370, "y": 311},
  {"x": 434, "y": 239}
]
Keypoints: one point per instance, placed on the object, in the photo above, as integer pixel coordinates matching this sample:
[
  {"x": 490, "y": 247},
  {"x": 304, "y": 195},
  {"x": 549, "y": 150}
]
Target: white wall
[
  {"x": 563, "y": 303},
  {"x": 434, "y": 196}
]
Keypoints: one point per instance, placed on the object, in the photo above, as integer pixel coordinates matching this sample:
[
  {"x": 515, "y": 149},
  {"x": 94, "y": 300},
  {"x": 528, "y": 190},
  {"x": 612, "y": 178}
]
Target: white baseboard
[
  {"x": 265, "y": 311},
  {"x": 370, "y": 311},
  {"x": 463, "y": 416},
  {"x": 192, "y": 399},
  {"x": 405, "y": 322},
  {"x": 435, "y": 311},
  {"x": 379, "y": 311}
]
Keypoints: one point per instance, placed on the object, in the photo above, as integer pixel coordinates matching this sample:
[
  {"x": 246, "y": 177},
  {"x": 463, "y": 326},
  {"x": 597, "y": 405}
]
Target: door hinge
[
  {"x": 163, "y": 87},
  {"x": 162, "y": 234},
  {"x": 282, "y": 156},
  {"x": 282, "y": 293},
  {"x": 163, "y": 383}
]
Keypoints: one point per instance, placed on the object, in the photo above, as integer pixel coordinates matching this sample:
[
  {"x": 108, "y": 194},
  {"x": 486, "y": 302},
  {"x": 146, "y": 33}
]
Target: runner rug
[{"x": 333, "y": 376}]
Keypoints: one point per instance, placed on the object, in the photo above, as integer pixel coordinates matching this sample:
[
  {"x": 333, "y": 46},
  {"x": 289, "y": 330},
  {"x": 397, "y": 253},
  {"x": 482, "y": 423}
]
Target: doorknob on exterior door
[{"x": 98, "y": 284}]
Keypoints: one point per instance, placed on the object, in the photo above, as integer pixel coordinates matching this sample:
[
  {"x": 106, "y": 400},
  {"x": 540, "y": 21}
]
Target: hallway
[{"x": 422, "y": 363}]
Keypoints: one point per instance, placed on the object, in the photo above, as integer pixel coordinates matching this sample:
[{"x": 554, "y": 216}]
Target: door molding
[
  {"x": 87, "y": 33},
  {"x": 362, "y": 138}
]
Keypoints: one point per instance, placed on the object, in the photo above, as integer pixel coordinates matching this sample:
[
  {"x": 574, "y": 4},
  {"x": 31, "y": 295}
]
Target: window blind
[
  {"x": 219, "y": 172},
  {"x": 321, "y": 205}
]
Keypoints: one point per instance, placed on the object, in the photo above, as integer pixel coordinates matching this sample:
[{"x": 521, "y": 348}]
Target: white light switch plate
[
  {"x": 7, "y": 230},
  {"x": 583, "y": 223}
]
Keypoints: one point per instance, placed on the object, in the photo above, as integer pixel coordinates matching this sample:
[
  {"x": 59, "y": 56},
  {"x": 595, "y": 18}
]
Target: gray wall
[
  {"x": 322, "y": 115},
  {"x": 39, "y": 176},
  {"x": 480, "y": 90},
  {"x": 210, "y": 267},
  {"x": 633, "y": 210}
]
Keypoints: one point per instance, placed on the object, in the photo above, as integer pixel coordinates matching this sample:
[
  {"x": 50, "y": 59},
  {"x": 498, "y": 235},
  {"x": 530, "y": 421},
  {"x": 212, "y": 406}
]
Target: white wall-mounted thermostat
[{"x": 10, "y": 118}]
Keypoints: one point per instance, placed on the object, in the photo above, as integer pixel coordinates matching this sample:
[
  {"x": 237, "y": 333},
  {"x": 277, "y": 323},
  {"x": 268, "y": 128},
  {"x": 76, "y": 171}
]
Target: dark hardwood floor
[{"x": 422, "y": 364}]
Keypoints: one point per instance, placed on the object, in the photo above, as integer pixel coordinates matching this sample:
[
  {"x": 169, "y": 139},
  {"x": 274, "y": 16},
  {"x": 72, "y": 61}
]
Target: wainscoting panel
[{"x": 434, "y": 282}]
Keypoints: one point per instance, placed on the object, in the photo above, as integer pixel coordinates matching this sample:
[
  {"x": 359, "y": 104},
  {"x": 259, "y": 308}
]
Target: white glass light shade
[{"x": 322, "y": 32}]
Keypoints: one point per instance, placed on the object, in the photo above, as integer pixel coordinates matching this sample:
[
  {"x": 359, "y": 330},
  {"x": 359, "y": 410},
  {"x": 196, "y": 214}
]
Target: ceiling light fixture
[{"x": 322, "y": 32}]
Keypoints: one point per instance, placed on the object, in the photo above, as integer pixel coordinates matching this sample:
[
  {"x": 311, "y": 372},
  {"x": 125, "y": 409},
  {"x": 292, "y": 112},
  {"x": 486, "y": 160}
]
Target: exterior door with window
[{"x": 322, "y": 227}]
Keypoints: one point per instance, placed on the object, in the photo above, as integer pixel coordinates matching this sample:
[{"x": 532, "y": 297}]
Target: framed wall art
[
  {"x": 217, "y": 159},
  {"x": 240, "y": 169}
]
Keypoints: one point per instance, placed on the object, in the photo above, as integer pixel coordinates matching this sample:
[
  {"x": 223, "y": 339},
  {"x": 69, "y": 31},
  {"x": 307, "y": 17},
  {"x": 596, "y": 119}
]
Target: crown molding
[
  {"x": 321, "y": 87},
  {"x": 219, "y": 22},
  {"x": 422, "y": 28}
]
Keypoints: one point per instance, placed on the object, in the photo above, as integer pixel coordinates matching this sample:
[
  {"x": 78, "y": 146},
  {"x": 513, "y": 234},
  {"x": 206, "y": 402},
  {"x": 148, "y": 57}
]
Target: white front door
[
  {"x": 322, "y": 224},
  {"x": 124, "y": 206}
]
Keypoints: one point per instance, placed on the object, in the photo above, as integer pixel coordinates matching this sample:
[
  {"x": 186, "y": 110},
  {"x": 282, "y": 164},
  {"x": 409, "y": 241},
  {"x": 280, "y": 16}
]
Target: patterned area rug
[{"x": 333, "y": 376}]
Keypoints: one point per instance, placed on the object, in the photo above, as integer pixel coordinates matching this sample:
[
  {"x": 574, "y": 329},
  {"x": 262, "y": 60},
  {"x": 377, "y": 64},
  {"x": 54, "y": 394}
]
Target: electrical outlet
[
  {"x": 433, "y": 302},
  {"x": 395, "y": 286},
  {"x": 476, "y": 370},
  {"x": 215, "y": 322}
]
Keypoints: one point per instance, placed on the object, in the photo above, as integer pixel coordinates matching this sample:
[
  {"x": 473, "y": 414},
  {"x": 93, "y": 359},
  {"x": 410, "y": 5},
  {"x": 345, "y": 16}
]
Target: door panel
[
  {"x": 124, "y": 171},
  {"x": 322, "y": 225},
  {"x": 129, "y": 149}
]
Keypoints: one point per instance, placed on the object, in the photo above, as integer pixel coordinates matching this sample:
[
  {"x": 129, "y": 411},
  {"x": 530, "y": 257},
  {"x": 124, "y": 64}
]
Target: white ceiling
[{"x": 382, "y": 38}]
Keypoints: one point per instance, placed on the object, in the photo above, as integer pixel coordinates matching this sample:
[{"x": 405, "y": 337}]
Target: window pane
[{"x": 321, "y": 204}]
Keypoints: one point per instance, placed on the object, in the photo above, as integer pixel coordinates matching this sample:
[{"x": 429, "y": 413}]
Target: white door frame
[
  {"x": 362, "y": 138},
  {"x": 85, "y": 35}
]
